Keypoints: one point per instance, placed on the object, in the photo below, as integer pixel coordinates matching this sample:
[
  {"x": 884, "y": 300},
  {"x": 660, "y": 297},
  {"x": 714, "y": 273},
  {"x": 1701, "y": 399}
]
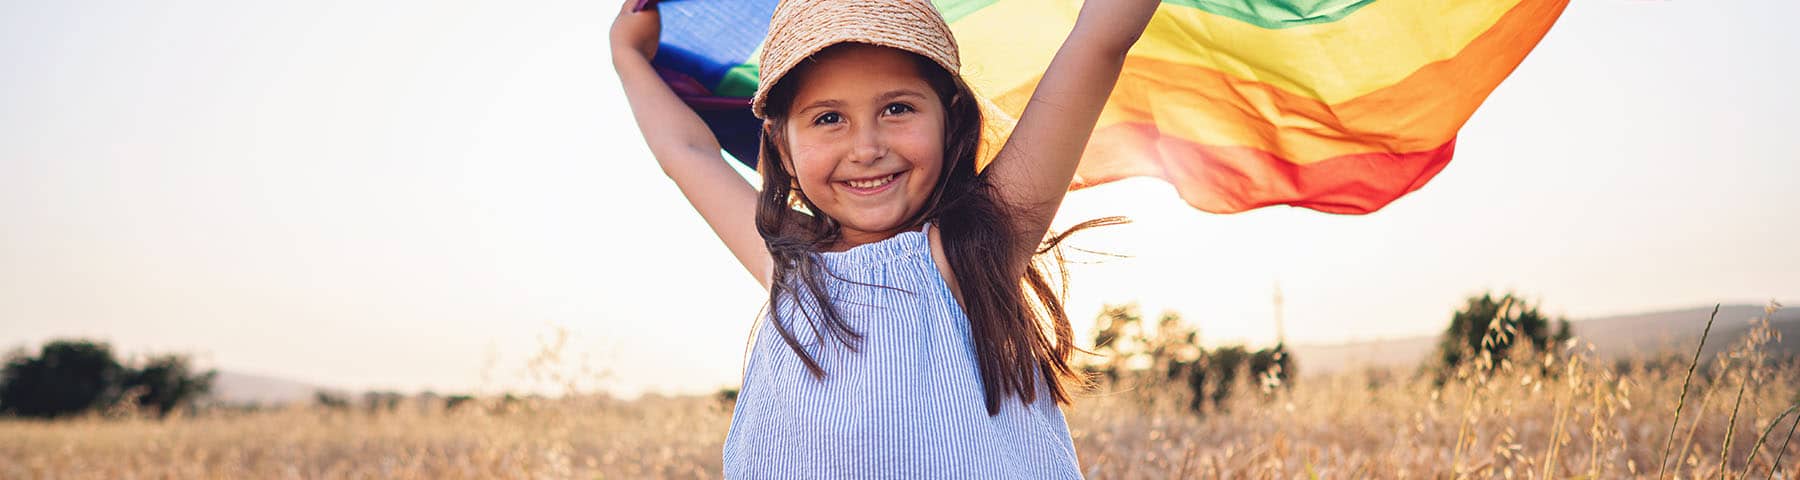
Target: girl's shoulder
[{"x": 936, "y": 241}]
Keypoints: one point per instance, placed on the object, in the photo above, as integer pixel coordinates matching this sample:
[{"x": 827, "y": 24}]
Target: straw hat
[{"x": 801, "y": 28}]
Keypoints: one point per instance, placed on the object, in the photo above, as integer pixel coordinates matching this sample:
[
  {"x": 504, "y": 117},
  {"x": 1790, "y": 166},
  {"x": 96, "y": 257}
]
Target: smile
[{"x": 870, "y": 186}]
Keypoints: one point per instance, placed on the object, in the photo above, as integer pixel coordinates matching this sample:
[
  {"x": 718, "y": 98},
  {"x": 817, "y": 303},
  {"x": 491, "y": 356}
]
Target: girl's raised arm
[
  {"x": 1033, "y": 170},
  {"x": 682, "y": 144}
]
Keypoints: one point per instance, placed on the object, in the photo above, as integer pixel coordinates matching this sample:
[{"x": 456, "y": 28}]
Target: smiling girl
[{"x": 917, "y": 335}]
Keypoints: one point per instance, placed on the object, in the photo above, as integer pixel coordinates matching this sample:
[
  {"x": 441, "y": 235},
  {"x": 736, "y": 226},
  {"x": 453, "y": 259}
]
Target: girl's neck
[{"x": 848, "y": 239}]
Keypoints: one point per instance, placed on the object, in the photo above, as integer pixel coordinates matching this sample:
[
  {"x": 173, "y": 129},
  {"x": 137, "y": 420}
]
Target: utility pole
[{"x": 1280, "y": 331}]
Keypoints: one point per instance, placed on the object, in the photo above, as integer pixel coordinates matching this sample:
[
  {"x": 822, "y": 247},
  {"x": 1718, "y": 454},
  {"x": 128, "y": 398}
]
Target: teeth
[{"x": 868, "y": 184}]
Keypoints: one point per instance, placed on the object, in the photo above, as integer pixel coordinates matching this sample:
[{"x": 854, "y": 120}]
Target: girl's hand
[{"x": 637, "y": 31}]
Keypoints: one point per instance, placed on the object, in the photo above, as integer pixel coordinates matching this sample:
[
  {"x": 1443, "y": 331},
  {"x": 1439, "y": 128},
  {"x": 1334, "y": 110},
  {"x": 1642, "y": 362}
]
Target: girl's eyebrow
[
  {"x": 904, "y": 92},
  {"x": 834, "y": 103}
]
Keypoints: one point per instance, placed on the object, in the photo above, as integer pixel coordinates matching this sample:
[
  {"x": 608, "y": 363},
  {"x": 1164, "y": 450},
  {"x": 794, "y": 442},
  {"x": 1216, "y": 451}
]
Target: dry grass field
[{"x": 1504, "y": 418}]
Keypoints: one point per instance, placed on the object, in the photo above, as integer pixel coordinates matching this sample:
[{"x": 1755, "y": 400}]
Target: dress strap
[{"x": 927, "y": 228}]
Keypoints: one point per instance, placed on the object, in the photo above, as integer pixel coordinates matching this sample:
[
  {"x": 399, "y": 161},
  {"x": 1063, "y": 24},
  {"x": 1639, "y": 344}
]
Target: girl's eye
[
  {"x": 898, "y": 108},
  {"x": 828, "y": 118}
]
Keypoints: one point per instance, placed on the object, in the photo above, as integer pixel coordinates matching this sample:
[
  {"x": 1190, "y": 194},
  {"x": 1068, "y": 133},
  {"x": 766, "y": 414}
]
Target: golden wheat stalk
[
  {"x": 1661, "y": 465},
  {"x": 1749, "y": 462},
  {"x": 1783, "y": 449}
]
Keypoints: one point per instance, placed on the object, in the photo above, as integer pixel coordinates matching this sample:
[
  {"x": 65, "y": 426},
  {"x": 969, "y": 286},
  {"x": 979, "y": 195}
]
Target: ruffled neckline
[{"x": 900, "y": 245}]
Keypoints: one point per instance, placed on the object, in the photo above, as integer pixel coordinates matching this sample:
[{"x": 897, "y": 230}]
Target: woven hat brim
[{"x": 801, "y": 28}]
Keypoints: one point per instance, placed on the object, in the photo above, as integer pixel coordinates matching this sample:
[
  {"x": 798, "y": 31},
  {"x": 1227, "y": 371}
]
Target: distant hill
[
  {"x": 1613, "y": 337},
  {"x": 243, "y": 388},
  {"x": 1679, "y": 331}
]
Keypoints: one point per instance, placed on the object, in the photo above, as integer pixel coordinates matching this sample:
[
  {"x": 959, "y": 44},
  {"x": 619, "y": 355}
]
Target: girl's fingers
[
  {"x": 634, "y": 6},
  {"x": 638, "y": 30}
]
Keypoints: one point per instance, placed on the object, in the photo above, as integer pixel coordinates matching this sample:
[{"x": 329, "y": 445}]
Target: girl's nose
[
  {"x": 868, "y": 153},
  {"x": 869, "y": 146}
]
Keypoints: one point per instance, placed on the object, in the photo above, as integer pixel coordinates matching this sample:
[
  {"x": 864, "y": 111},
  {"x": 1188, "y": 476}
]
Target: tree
[
  {"x": 1495, "y": 325},
  {"x": 67, "y": 377},
  {"x": 1272, "y": 365},
  {"x": 381, "y": 402},
  {"x": 166, "y": 382},
  {"x": 70, "y": 376},
  {"x": 1225, "y": 363},
  {"x": 454, "y": 402},
  {"x": 1118, "y": 326},
  {"x": 331, "y": 400},
  {"x": 1171, "y": 353}
]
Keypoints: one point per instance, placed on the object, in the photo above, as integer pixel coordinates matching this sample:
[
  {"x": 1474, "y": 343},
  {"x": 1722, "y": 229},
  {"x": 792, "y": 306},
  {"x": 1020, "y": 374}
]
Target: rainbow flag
[{"x": 1340, "y": 106}]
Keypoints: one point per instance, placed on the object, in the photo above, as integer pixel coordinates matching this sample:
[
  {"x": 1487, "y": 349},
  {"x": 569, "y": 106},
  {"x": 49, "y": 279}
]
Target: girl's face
[{"x": 865, "y": 138}]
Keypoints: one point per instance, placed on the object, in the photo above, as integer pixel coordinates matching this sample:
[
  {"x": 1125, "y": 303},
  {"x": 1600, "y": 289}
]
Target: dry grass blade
[
  {"x": 1662, "y": 465},
  {"x": 1784, "y": 443},
  {"x": 1751, "y": 460},
  {"x": 1731, "y": 425}
]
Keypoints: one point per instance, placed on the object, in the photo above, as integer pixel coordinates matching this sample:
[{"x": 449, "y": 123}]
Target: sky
[{"x": 421, "y": 195}]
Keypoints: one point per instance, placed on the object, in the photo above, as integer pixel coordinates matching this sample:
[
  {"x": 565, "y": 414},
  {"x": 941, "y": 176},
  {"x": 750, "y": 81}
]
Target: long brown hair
[{"x": 1007, "y": 316}]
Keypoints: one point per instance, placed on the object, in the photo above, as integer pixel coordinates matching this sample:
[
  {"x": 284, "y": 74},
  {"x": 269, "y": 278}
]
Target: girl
[{"x": 910, "y": 314}]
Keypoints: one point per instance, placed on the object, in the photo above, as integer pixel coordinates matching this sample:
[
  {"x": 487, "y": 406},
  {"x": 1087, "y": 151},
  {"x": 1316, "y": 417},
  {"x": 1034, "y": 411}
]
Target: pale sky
[{"x": 395, "y": 194}]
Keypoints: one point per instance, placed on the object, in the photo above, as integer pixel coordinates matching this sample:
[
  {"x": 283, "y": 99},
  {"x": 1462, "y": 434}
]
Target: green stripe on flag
[
  {"x": 954, "y": 10},
  {"x": 1277, "y": 14},
  {"x": 1271, "y": 14},
  {"x": 740, "y": 81}
]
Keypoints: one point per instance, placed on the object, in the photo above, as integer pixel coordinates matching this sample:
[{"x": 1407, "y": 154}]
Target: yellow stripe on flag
[{"x": 1008, "y": 43}]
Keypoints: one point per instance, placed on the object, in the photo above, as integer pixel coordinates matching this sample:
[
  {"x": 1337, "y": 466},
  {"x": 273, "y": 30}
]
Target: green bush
[
  {"x": 1171, "y": 354},
  {"x": 1493, "y": 326},
  {"x": 71, "y": 376}
]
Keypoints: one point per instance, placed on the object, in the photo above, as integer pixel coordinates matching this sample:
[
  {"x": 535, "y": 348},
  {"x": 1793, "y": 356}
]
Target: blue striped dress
[{"x": 908, "y": 404}]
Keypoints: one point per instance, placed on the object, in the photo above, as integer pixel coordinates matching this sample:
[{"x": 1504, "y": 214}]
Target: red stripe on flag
[{"x": 1234, "y": 179}]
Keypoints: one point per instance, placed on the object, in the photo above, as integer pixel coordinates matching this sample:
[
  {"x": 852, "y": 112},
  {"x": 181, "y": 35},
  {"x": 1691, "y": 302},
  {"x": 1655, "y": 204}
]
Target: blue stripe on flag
[{"x": 706, "y": 38}]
